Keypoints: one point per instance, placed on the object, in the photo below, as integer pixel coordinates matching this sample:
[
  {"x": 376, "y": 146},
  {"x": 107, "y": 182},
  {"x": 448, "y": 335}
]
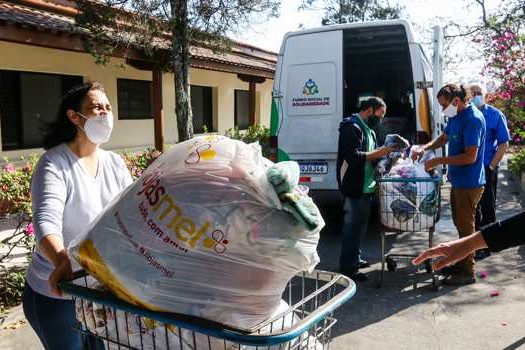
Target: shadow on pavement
[{"x": 406, "y": 288}]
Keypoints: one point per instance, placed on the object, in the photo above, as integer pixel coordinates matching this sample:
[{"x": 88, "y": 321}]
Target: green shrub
[
  {"x": 255, "y": 133},
  {"x": 517, "y": 163},
  {"x": 11, "y": 288},
  {"x": 15, "y": 183}
]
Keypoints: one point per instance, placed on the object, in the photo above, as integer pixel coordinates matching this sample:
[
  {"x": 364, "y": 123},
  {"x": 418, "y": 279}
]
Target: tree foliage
[
  {"x": 165, "y": 32},
  {"x": 348, "y": 11}
]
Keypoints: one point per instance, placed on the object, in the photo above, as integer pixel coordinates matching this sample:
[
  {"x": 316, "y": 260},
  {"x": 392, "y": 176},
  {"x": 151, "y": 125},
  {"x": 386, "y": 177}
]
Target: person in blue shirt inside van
[
  {"x": 355, "y": 176},
  {"x": 496, "y": 144},
  {"x": 465, "y": 134}
]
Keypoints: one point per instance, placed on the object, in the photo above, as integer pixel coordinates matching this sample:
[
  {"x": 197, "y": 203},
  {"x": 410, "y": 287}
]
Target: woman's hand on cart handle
[
  {"x": 62, "y": 272},
  {"x": 451, "y": 252}
]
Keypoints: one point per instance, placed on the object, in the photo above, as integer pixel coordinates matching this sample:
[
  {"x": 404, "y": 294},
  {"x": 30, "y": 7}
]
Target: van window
[{"x": 376, "y": 61}]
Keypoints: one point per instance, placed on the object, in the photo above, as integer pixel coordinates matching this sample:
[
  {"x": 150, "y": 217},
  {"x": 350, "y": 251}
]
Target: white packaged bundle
[
  {"x": 121, "y": 329},
  {"x": 408, "y": 205},
  {"x": 211, "y": 229}
]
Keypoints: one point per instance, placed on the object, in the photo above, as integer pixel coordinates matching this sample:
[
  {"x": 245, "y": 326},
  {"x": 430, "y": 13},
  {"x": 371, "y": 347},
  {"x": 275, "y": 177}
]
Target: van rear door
[{"x": 310, "y": 86}]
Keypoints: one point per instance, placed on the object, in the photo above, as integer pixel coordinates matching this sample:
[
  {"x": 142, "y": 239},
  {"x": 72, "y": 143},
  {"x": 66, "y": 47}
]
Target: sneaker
[
  {"x": 481, "y": 254},
  {"x": 449, "y": 270},
  {"x": 363, "y": 264},
  {"x": 459, "y": 279}
]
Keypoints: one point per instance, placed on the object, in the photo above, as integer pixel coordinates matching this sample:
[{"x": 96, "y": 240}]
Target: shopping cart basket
[
  {"x": 305, "y": 324},
  {"x": 408, "y": 205}
]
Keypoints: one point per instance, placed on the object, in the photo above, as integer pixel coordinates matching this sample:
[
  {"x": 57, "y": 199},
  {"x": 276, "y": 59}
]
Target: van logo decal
[{"x": 310, "y": 88}]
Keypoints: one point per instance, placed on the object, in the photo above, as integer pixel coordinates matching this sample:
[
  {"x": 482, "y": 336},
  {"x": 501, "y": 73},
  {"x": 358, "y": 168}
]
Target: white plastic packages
[
  {"x": 127, "y": 330},
  {"x": 408, "y": 205},
  {"x": 203, "y": 232}
]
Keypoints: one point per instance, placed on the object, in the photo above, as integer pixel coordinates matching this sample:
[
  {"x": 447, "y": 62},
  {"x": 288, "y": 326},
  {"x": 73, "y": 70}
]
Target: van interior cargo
[{"x": 376, "y": 62}]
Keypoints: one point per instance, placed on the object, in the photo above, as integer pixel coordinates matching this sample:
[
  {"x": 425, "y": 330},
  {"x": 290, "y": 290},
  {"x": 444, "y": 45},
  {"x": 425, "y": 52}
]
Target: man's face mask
[
  {"x": 373, "y": 121},
  {"x": 98, "y": 129},
  {"x": 450, "y": 111},
  {"x": 478, "y": 101}
]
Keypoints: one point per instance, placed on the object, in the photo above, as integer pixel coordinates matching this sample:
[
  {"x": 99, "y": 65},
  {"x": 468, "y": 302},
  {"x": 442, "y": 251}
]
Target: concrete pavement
[{"x": 405, "y": 313}]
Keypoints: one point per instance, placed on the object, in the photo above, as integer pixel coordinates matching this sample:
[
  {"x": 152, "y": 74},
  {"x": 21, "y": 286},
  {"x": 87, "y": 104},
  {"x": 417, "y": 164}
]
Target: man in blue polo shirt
[
  {"x": 496, "y": 144},
  {"x": 465, "y": 134}
]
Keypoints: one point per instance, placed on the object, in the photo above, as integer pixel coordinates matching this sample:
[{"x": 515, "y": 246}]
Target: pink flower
[
  {"x": 9, "y": 168},
  {"x": 30, "y": 230},
  {"x": 506, "y": 96}
]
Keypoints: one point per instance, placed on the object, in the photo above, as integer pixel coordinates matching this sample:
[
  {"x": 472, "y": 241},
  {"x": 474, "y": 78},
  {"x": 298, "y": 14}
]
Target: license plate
[{"x": 312, "y": 168}]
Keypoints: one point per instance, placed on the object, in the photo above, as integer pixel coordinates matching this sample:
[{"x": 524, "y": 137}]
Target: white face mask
[
  {"x": 98, "y": 129},
  {"x": 450, "y": 111}
]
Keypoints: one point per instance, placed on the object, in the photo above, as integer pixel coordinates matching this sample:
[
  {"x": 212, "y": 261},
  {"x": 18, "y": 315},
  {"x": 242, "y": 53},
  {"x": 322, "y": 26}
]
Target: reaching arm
[
  {"x": 497, "y": 236},
  {"x": 451, "y": 252},
  {"x": 438, "y": 142},
  {"x": 466, "y": 158}
]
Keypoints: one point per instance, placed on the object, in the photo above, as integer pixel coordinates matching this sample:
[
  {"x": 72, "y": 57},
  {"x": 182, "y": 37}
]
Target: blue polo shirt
[
  {"x": 466, "y": 129},
  {"x": 497, "y": 131}
]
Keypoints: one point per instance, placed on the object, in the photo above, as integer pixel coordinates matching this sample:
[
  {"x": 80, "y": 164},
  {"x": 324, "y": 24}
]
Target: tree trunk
[{"x": 181, "y": 64}]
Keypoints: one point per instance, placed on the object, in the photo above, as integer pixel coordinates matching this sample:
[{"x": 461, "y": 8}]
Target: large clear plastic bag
[
  {"x": 203, "y": 232},
  {"x": 409, "y": 205}
]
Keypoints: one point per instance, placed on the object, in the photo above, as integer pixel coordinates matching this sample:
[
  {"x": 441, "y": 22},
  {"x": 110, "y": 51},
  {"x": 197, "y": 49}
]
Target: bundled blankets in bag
[
  {"x": 408, "y": 205},
  {"x": 399, "y": 145},
  {"x": 211, "y": 229}
]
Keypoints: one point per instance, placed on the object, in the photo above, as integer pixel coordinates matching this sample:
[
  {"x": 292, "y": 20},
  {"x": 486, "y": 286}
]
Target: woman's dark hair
[
  {"x": 62, "y": 129},
  {"x": 374, "y": 102},
  {"x": 450, "y": 91}
]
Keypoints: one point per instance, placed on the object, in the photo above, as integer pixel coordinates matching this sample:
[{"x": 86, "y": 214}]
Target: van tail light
[
  {"x": 422, "y": 138},
  {"x": 273, "y": 149}
]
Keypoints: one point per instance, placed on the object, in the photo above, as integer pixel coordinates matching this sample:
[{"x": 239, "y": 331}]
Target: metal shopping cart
[
  {"x": 305, "y": 324},
  {"x": 408, "y": 205}
]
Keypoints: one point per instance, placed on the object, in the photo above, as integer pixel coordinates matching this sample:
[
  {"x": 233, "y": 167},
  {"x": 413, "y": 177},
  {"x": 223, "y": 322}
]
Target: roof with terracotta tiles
[{"x": 56, "y": 17}]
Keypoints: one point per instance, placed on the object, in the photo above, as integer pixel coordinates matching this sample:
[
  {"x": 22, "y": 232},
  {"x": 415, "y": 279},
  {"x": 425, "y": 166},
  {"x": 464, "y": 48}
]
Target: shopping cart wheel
[
  {"x": 436, "y": 283},
  {"x": 391, "y": 264}
]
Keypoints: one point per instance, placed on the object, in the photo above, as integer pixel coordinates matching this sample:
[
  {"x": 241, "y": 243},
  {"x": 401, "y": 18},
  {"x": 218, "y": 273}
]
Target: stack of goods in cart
[
  {"x": 406, "y": 205},
  {"x": 212, "y": 229}
]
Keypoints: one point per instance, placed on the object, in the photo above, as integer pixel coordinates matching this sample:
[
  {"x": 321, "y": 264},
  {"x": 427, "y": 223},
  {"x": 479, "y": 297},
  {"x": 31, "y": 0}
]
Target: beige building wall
[{"x": 130, "y": 134}]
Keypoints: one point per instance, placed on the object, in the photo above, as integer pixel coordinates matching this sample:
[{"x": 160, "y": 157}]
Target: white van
[{"x": 323, "y": 74}]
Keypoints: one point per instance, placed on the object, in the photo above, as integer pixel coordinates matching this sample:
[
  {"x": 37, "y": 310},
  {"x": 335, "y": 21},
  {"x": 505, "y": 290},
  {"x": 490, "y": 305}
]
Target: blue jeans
[
  {"x": 53, "y": 320},
  {"x": 355, "y": 225}
]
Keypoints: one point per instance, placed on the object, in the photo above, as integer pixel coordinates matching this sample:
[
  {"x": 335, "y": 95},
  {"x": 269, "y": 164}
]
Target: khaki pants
[{"x": 464, "y": 202}]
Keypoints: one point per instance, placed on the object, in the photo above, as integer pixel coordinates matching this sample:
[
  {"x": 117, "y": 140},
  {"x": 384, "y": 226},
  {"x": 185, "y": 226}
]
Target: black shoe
[
  {"x": 481, "y": 254},
  {"x": 358, "y": 277},
  {"x": 355, "y": 276},
  {"x": 363, "y": 264},
  {"x": 449, "y": 270}
]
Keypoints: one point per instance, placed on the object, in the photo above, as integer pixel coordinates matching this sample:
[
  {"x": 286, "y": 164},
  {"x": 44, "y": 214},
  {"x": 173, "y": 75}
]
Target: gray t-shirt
[{"x": 65, "y": 199}]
